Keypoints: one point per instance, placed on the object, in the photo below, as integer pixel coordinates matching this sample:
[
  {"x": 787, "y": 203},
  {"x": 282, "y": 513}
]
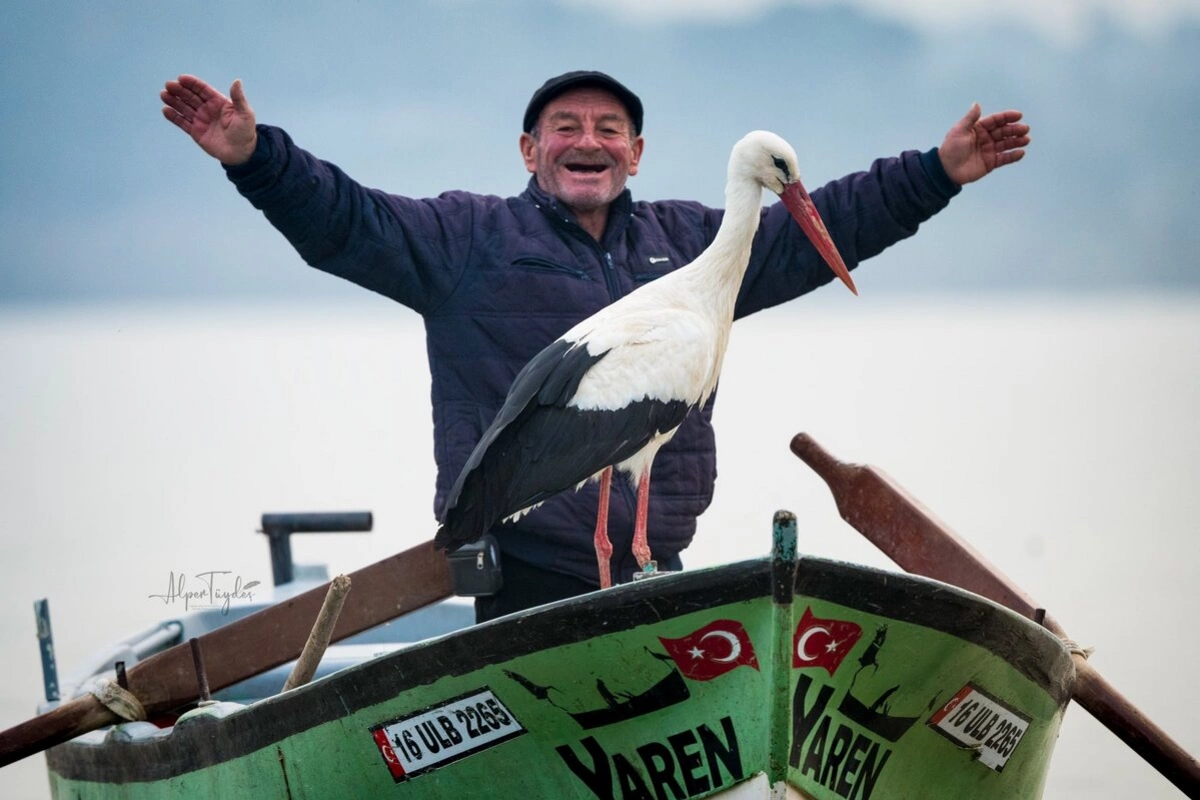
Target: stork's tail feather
[
  {"x": 457, "y": 530},
  {"x": 443, "y": 541},
  {"x": 469, "y": 515}
]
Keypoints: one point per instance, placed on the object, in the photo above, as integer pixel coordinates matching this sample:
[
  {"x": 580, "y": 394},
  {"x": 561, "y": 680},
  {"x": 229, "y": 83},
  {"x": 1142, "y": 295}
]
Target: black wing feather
[{"x": 537, "y": 446}]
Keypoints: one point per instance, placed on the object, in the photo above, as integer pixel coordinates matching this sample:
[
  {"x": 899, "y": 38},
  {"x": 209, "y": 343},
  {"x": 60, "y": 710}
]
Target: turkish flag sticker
[
  {"x": 389, "y": 755},
  {"x": 712, "y": 650},
  {"x": 823, "y": 642}
]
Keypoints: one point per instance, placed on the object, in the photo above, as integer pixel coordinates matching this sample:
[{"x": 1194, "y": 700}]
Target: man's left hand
[{"x": 977, "y": 145}]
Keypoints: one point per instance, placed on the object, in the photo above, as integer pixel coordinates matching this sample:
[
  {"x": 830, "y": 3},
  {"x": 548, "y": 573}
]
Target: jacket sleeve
[
  {"x": 413, "y": 251},
  {"x": 865, "y": 212}
]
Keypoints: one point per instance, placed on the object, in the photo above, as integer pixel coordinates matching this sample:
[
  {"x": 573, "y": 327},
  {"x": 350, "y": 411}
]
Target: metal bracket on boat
[
  {"x": 41, "y": 612},
  {"x": 651, "y": 570},
  {"x": 279, "y": 527}
]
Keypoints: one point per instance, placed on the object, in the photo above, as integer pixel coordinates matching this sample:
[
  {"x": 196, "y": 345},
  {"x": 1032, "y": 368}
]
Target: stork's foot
[{"x": 650, "y": 570}]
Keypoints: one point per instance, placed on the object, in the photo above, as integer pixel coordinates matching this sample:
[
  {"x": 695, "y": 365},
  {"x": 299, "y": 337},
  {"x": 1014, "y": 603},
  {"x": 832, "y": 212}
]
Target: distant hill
[{"x": 103, "y": 200}]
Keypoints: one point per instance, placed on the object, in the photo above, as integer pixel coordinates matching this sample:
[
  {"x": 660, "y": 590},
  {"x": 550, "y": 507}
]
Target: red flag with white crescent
[
  {"x": 712, "y": 650},
  {"x": 823, "y": 642},
  {"x": 389, "y": 755}
]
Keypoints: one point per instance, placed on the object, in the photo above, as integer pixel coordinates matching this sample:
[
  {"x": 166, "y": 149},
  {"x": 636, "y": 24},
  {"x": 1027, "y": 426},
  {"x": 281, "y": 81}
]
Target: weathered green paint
[
  {"x": 783, "y": 536},
  {"x": 773, "y": 718}
]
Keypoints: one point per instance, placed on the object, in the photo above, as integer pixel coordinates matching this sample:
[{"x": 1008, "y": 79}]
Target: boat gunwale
[{"x": 196, "y": 745}]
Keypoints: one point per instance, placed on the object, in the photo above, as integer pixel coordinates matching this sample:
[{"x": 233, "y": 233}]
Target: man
[{"x": 497, "y": 279}]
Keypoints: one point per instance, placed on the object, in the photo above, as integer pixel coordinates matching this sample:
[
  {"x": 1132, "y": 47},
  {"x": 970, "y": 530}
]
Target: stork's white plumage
[{"x": 614, "y": 389}]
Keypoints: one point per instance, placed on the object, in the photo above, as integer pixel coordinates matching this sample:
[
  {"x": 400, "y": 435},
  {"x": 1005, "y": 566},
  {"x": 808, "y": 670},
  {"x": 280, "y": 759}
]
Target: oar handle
[
  {"x": 63, "y": 724},
  {"x": 909, "y": 534}
]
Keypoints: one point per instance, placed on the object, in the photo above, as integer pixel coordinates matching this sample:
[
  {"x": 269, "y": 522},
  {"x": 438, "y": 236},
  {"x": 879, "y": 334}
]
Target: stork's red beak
[{"x": 801, "y": 205}]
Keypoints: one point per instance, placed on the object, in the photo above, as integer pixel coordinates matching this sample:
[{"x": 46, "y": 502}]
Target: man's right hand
[{"x": 222, "y": 126}]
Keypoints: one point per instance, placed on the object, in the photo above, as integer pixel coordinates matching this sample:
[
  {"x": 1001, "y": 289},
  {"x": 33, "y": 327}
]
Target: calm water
[{"x": 1060, "y": 437}]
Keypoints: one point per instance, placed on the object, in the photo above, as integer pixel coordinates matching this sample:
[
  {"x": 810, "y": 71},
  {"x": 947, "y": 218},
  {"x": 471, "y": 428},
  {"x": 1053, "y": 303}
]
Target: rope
[
  {"x": 1076, "y": 649},
  {"x": 121, "y": 702}
]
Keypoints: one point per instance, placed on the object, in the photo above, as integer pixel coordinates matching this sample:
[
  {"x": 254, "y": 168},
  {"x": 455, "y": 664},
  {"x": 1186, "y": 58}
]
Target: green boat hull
[{"x": 779, "y": 677}]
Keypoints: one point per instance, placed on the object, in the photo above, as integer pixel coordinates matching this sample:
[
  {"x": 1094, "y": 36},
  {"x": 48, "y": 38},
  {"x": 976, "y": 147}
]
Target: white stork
[{"x": 614, "y": 389}]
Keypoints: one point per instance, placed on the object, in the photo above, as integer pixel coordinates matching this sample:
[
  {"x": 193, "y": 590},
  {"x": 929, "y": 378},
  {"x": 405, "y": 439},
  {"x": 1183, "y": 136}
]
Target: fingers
[
  {"x": 198, "y": 87},
  {"x": 179, "y": 100},
  {"x": 1010, "y": 131},
  {"x": 179, "y": 120},
  {"x": 972, "y": 116},
  {"x": 1009, "y": 157},
  {"x": 188, "y": 94},
  {"x": 238, "y": 95},
  {"x": 1001, "y": 119},
  {"x": 1013, "y": 144}
]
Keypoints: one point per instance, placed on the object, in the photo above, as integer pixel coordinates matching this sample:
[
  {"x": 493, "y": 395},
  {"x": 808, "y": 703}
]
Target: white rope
[
  {"x": 121, "y": 702},
  {"x": 1076, "y": 649}
]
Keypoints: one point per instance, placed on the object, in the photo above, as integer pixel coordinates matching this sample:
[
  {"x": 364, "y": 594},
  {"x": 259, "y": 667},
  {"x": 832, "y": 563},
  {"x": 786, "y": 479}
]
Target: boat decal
[
  {"x": 823, "y": 643},
  {"x": 712, "y": 650},
  {"x": 875, "y": 714},
  {"x": 975, "y": 719},
  {"x": 618, "y": 706},
  {"x": 439, "y": 735},
  {"x": 691, "y": 763},
  {"x": 831, "y": 750}
]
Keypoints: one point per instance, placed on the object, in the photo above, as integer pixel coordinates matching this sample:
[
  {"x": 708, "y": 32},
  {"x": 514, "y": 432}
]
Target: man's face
[{"x": 584, "y": 150}]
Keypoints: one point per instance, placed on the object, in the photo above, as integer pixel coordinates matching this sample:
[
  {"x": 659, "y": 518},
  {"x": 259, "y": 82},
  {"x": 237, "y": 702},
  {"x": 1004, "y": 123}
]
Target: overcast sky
[
  {"x": 104, "y": 201},
  {"x": 1063, "y": 21}
]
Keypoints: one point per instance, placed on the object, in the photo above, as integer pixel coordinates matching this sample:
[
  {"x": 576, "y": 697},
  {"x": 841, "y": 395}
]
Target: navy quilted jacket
[{"x": 497, "y": 279}]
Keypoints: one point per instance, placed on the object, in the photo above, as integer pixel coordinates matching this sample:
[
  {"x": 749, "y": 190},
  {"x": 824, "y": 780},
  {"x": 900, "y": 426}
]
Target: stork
[{"x": 615, "y": 388}]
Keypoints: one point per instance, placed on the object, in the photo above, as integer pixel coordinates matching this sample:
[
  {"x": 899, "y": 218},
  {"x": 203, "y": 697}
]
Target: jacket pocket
[{"x": 538, "y": 264}]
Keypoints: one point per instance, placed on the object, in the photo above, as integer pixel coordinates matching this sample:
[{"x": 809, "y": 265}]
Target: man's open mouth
[{"x": 593, "y": 168}]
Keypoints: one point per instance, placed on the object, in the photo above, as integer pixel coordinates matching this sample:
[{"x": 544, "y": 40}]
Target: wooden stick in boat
[
  {"x": 166, "y": 681},
  {"x": 920, "y": 543},
  {"x": 318, "y": 639}
]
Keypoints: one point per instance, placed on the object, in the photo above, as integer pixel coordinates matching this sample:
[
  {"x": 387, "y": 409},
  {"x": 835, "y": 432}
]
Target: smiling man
[
  {"x": 498, "y": 279},
  {"x": 582, "y": 140}
]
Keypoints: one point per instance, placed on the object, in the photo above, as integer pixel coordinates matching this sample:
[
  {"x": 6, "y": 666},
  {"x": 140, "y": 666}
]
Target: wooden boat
[{"x": 782, "y": 676}]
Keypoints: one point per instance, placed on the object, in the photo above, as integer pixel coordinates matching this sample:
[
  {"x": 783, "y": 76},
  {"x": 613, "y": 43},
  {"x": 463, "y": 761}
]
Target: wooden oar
[
  {"x": 244, "y": 648},
  {"x": 921, "y": 544}
]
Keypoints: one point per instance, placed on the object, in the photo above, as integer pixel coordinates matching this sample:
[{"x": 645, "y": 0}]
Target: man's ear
[
  {"x": 639, "y": 144},
  {"x": 528, "y": 144}
]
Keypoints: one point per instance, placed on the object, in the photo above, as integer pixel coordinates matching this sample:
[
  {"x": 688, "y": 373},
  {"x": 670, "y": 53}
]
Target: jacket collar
[{"x": 618, "y": 211}]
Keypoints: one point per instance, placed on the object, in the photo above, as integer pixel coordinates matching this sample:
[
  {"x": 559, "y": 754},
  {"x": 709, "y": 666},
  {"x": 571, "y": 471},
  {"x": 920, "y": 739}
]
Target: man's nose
[{"x": 588, "y": 140}]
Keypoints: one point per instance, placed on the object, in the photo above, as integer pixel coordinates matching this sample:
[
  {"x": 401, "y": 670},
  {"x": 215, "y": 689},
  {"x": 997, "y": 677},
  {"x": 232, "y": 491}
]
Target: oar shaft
[
  {"x": 909, "y": 534},
  {"x": 246, "y": 647},
  {"x": 1132, "y": 727},
  {"x": 63, "y": 724}
]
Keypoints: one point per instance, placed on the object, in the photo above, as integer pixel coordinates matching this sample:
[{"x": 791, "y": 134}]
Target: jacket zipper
[
  {"x": 610, "y": 270},
  {"x": 610, "y": 275}
]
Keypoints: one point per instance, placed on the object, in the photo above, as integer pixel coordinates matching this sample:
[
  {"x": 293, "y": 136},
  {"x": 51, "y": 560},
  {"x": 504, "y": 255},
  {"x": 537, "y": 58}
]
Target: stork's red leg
[
  {"x": 604, "y": 547},
  {"x": 641, "y": 548}
]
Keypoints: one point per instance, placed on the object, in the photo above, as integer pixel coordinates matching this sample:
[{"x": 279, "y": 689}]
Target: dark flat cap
[{"x": 573, "y": 80}]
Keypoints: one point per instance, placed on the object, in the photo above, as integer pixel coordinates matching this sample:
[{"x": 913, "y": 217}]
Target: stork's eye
[{"x": 782, "y": 166}]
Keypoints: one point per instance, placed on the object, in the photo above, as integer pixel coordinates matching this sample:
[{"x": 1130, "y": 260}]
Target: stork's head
[{"x": 771, "y": 162}]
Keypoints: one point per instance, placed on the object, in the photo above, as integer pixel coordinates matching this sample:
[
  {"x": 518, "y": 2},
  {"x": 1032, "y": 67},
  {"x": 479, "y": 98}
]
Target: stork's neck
[
  {"x": 723, "y": 264},
  {"x": 743, "y": 210}
]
